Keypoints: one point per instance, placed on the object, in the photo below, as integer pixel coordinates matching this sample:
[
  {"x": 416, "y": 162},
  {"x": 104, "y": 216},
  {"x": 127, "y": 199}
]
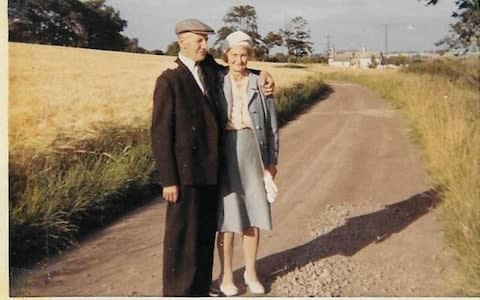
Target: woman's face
[{"x": 237, "y": 57}]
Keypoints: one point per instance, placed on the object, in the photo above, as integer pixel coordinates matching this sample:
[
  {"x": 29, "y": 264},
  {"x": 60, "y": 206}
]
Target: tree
[
  {"x": 132, "y": 45},
  {"x": 104, "y": 26},
  {"x": 241, "y": 17},
  {"x": 90, "y": 24},
  {"x": 466, "y": 31},
  {"x": 244, "y": 18},
  {"x": 216, "y": 52},
  {"x": 287, "y": 36},
  {"x": 45, "y": 22},
  {"x": 172, "y": 49},
  {"x": 271, "y": 40},
  {"x": 296, "y": 37}
]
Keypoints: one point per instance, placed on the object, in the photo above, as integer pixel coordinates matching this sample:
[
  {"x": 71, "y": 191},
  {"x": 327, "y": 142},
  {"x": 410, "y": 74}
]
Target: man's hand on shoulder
[
  {"x": 266, "y": 83},
  {"x": 168, "y": 65}
]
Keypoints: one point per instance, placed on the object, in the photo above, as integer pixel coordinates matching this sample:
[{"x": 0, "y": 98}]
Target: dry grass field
[{"x": 71, "y": 92}]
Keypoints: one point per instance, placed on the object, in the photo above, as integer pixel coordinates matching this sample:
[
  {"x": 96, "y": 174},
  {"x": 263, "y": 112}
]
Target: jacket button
[
  {"x": 194, "y": 147},
  {"x": 194, "y": 128},
  {"x": 185, "y": 165},
  {"x": 257, "y": 127}
]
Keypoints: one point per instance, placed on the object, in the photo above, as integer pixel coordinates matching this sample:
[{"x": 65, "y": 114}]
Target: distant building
[{"x": 353, "y": 59}]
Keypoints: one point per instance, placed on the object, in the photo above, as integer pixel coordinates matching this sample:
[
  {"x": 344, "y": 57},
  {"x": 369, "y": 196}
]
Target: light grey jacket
[{"x": 262, "y": 113}]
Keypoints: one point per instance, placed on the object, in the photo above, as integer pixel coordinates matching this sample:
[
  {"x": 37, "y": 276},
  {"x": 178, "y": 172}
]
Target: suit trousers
[{"x": 189, "y": 242}]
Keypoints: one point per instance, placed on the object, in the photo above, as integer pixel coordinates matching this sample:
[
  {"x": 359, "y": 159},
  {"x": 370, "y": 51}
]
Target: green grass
[
  {"x": 300, "y": 96},
  {"x": 56, "y": 196},
  {"x": 81, "y": 185}
]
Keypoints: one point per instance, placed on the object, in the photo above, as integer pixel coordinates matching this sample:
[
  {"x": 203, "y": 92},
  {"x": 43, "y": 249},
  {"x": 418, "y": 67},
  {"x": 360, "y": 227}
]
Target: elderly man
[{"x": 185, "y": 144}]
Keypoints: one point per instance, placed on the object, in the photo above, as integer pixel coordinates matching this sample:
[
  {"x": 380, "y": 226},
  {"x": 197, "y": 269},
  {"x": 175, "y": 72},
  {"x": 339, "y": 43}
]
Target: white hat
[{"x": 237, "y": 38}]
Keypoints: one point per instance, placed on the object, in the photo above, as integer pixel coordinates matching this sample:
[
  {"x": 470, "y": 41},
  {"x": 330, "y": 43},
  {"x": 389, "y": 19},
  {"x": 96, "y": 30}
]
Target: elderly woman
[{"x": 250, "y": 148}]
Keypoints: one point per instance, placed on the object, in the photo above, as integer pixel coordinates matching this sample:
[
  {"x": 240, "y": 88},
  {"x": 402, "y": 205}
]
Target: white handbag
[{"x": 270, "y": 187}]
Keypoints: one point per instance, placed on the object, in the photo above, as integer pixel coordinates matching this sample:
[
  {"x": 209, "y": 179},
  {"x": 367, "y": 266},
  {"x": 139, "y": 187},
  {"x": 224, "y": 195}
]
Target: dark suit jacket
[{"x": 185, "y": 132}]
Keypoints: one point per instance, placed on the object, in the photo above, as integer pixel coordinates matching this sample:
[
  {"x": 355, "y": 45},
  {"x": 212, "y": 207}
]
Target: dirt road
[{"x": 355, "y": 217}]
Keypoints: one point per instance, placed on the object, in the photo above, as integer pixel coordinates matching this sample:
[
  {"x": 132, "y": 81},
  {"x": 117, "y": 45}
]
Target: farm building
[{"x": 352, "y": 59}]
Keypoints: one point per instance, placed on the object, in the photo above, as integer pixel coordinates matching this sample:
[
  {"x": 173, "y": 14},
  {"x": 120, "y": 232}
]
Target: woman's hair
[{"x": 249, "y": 53}]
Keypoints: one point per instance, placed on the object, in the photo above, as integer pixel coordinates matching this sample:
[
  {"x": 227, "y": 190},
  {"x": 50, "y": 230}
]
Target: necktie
[{"x": 202, "y": 78}]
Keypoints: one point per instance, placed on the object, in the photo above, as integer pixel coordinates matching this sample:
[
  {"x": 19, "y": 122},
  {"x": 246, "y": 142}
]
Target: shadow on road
[{"x": 357, "y": 233}]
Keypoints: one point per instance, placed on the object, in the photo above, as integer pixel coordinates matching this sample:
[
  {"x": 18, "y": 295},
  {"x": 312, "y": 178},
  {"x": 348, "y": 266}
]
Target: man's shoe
[{"x": 214, "y": 292}]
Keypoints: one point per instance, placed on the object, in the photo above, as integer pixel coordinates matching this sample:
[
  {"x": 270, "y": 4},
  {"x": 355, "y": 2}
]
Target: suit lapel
[
  {"x": 188, "y": 76},
  {"x": 190, "y": 81}
]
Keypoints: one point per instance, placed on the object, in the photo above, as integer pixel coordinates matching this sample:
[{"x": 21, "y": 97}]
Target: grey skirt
[{"x": 243, "y": 200}]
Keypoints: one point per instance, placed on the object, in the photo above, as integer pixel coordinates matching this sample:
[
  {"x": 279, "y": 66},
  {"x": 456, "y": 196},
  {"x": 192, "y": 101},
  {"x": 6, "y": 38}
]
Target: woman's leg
[
  {"x": 251, "y": 238},
  {"x": 225, "y": 243}
]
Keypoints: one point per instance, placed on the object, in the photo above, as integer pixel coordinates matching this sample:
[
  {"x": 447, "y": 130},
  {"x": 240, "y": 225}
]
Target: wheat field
[{"x": 71, "y": 92}]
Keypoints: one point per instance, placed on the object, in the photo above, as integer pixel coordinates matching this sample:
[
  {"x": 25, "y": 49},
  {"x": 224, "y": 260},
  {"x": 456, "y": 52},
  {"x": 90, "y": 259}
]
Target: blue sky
[{"x": 350, "y": 24}]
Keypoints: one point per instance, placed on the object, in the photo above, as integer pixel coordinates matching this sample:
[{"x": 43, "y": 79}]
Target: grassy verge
[
  {"x": 80, "y": 185},
  {"x": 56, "y": 196},
  {"x": 444, "y": 110},
  {"x": 295, "y": 99}
]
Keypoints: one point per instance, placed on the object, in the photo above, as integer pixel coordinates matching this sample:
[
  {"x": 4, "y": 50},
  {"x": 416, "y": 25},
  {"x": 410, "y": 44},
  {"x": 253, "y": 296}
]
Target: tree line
[
  {"x": 74, "y": 23},
  {"x": 294, "y": 36},
  {"x": 93, "y": 24}
]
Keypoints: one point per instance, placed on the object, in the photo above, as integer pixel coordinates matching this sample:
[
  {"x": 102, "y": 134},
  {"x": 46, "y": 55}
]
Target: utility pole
[
  {"x": 386, "y": 39},
  {"x": 328, "y": 42}
]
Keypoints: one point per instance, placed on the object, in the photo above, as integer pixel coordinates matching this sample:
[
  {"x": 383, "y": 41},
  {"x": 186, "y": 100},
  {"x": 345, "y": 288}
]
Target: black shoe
[{"x": 214, "y": 292}]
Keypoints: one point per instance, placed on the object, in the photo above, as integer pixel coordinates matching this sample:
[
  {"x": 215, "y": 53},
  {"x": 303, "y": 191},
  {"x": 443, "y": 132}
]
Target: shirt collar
[{"x": 187, "y": 62}]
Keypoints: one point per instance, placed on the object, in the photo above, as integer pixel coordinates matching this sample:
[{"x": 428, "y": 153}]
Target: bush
[
  {"x": 278, "y": 57},
  {"x": 314, "y": 59},
  {"x": 399, "y": 60}
]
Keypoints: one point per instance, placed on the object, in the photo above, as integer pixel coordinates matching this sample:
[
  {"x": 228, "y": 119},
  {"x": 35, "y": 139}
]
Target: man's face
[{"x": 193, "y": 45}]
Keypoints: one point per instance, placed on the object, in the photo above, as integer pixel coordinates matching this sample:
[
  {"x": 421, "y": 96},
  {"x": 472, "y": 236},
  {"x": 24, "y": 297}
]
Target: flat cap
[
  {"x": 193, "y": 25},
  {"x": 237, "y": 38}
]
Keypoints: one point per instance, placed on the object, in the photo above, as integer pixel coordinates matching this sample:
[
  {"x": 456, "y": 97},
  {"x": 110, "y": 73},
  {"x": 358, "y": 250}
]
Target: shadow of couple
[{"x": 355, "y": 234}]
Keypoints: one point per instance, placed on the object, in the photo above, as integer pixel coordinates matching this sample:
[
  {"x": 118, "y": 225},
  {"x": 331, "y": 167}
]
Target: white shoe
[
  {"x": 255, "y": 287},
  {"x": 229, "y": 290}
]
